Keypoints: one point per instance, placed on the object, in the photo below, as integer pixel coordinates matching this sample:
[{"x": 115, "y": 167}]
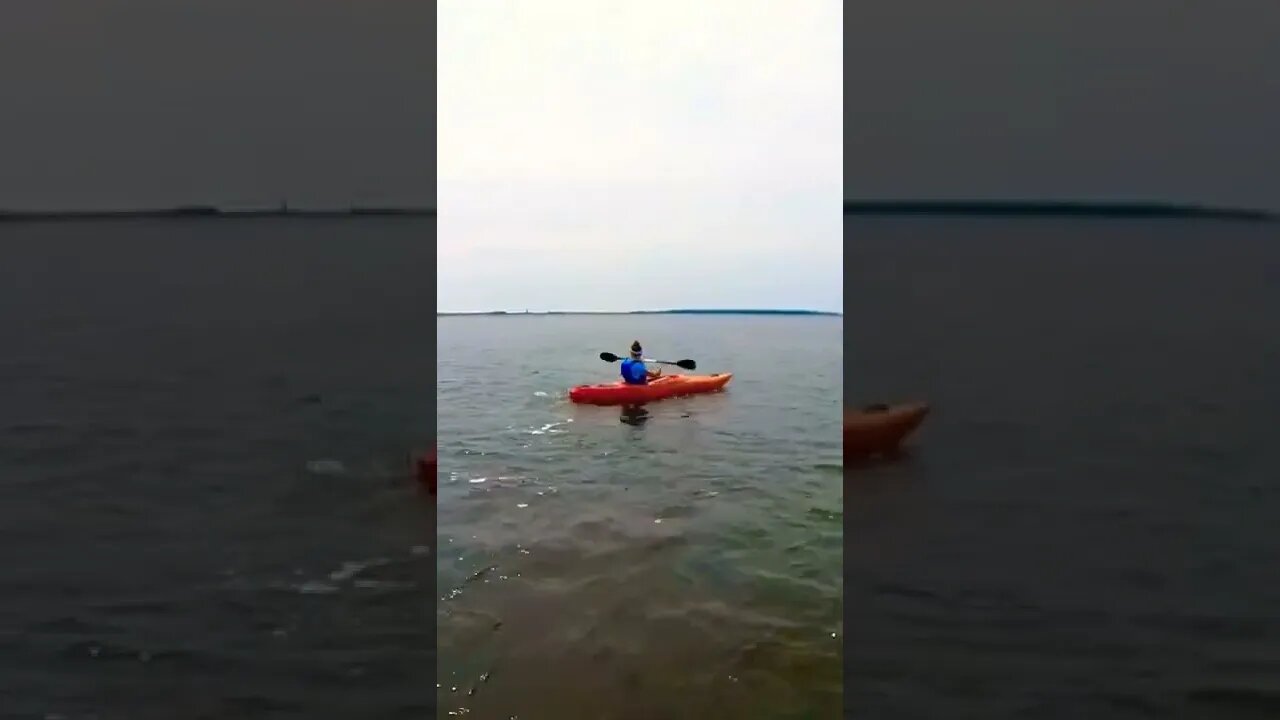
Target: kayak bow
[{"x": 880, "y": 429}]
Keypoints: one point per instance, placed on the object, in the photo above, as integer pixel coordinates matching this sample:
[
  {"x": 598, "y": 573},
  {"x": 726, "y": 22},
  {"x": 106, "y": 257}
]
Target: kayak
[
  {"x": 427, "y": 471},
  {"x": 667, "y": 386},
  {"x": 880, "y": 429}
]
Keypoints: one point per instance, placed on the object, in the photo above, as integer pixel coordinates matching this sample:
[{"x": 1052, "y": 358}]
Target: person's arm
[{"x": 654, "y": 374}]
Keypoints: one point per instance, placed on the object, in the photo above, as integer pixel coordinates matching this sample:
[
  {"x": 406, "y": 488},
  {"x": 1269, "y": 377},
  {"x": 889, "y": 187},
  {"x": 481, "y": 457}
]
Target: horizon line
[
  {"x": 671, "y": 311},
  {"x": 1146, "y": 209},
  {"x": 216, "y": 212}
]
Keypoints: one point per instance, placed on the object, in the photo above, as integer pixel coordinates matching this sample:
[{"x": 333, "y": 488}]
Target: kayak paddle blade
[{"x": 686, "y": 364}]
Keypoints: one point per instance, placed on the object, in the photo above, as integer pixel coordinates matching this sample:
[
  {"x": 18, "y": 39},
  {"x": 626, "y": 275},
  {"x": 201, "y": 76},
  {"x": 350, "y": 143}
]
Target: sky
[
  {"x": 125, "y": 103},
  {"x": 617, "y": 156},
  {"x": 1141, "y": 99}
]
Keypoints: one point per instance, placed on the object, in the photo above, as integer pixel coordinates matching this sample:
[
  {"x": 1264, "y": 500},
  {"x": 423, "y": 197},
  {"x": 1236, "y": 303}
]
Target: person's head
[{"x": 636, "y": 352}]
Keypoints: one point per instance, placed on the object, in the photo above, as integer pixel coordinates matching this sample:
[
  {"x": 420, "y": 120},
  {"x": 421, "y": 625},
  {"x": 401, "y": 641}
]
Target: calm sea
[
  {"x": 1087, "y": 526},
  {"x": 205, "y": 507},
  {"x": 594, "y": 562}
]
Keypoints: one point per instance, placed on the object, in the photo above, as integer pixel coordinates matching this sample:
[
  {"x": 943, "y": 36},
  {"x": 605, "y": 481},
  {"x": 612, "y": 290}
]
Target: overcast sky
[
  {"x": 1065, "y": 98},
  {"x": 609, "y": 155},
  {"x": 112, "y": 103}
]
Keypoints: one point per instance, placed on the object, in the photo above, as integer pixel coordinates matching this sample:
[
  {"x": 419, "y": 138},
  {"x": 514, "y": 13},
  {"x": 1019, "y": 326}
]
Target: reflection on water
[{"x": 634, "y": 414}]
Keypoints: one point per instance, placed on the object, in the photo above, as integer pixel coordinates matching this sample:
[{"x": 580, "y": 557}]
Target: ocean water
[
  {"x": 1086, "y": 525},
  {"x": 206, "y": 509},
  {"x": 603, "y": 563}
]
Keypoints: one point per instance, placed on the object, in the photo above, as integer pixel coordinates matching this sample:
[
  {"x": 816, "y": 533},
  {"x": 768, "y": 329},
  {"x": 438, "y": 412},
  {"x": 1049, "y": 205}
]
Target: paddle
[{"x": 686, "y": 364}]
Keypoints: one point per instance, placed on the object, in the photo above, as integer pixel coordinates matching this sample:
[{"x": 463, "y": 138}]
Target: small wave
[
  {"x": 383, "y": 585},
  {"x": 98, "y": 650},
  {"x": 134, "y": 607},
  {"x": 315, "y": 587},
  {"x": 550, "y": 428},
  {"x": 349, "y": 573},
  {"x": 25, "y": 429},
  {"x": 906, "y": 591},
  {"x": 1241, "y": 698},
  {"x": 352, "y": 568},
  {"x": 474, "y": 577},
  {"x": 71, "y": 626},
  {"x": 326, "y": 467},
  {"x": 501, "y": 481}
]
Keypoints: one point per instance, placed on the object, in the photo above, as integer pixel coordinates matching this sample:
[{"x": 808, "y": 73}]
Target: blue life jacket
[{"x": 634, "y": 373}]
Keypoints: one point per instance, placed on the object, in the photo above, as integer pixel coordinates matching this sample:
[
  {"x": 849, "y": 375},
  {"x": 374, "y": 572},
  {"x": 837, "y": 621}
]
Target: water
[
  {"x": 205, "y": 509},
  {"x": 1086, "y": 527},
  {"x": 598, "y": 563},
  {"x": 205, "y": 505}
]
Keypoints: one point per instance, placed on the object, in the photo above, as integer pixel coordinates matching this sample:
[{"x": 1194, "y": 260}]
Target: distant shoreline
[
  {"x": 1052, "y": 208},
  {"x": 678, "y": 311},
  {"x": 211, "y": 212},
  {"x": 918, "y": 208}
]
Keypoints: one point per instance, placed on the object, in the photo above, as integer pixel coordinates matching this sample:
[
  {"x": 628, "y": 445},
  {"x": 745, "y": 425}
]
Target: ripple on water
[{"x": 326, "y": 467}]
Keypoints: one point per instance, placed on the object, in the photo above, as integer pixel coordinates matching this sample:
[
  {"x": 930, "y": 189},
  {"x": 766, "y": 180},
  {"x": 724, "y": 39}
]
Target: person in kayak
[{"x": 633, "y": 370}]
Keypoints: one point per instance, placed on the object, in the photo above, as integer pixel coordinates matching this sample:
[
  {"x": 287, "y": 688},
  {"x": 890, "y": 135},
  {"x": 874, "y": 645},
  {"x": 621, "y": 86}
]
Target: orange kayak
[
  {"x": 880, "y": 429},
  {"x": 427, "y": 471},
  {"x": 667, "y": 386}
]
